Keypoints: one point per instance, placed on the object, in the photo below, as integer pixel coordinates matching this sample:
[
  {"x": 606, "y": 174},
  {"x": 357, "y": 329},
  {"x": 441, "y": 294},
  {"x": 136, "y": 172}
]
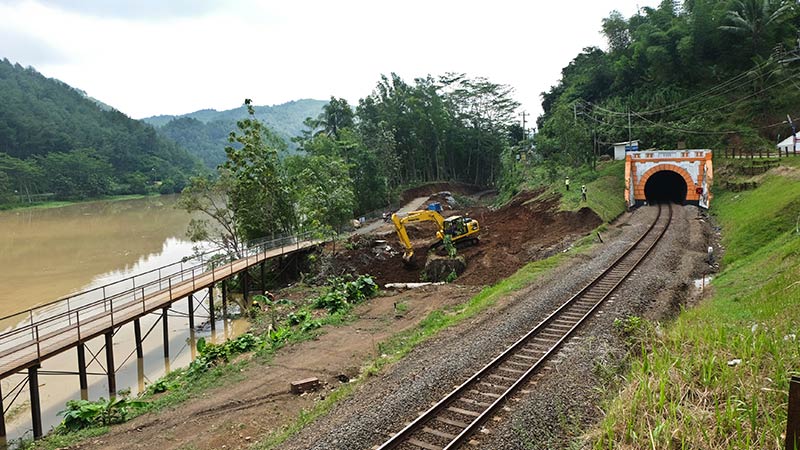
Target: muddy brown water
[{"x": 50, "y": 253}]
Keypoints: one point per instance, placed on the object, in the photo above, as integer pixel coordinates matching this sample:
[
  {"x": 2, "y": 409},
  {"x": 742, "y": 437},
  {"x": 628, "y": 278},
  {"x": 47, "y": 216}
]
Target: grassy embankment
[
  {"x": 604, "y": 186},
  {"x": 62, "y": 203},
  {"x": 718, "y": 376}
]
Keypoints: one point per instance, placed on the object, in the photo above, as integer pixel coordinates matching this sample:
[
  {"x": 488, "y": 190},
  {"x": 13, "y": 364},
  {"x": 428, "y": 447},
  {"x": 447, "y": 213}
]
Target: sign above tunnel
[{"x": 680, "y": 176}]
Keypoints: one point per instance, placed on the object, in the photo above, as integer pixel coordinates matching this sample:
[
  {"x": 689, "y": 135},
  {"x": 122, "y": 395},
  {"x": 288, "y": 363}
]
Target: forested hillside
[
  {"x": 205, "y": 133},
  {"x": 57, "y": 143},
  {"x": 706, "y": 73}
]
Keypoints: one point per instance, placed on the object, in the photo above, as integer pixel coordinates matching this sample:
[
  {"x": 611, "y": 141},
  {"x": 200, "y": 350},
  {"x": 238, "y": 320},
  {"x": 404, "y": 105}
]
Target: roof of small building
[{"x": 786, "y": 142}]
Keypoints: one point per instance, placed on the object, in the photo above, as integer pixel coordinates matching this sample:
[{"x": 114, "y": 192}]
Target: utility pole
[
  {"x": 575, "y": 112},
  {"x": 630, "y": 141},
  {"x": 794, "y": 136},
  {"x": 523, "y": 126}
]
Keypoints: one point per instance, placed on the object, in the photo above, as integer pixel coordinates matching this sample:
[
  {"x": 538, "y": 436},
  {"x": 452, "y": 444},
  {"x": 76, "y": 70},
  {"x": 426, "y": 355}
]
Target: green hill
[
  {"x": 705, "y": 73},
  {"x": 55, "y": 142},
  {"x": 205, "y": 132}
]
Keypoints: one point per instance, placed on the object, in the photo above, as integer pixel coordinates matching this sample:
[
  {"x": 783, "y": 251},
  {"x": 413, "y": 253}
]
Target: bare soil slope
[{"x": 526, "y": 229}]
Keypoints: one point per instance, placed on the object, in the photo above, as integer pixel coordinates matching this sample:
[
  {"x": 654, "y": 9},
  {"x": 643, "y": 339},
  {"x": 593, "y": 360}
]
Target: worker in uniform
[
  {"x": 566, "y": 183},
  {"x": 583, "y": 192}
]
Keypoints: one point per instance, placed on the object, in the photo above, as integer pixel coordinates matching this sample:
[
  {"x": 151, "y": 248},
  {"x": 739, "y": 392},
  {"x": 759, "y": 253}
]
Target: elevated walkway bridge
[{"x": 34, "y": 335}]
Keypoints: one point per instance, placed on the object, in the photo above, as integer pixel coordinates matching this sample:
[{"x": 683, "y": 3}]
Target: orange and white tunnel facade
[{"x": 680, "y": 176}]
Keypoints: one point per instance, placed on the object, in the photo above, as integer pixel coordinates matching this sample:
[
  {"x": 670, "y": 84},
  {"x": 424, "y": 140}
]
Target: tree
[
  {"x": 323, "y": 189},
  {"x": 259, "y": 194},
  {"x": 211, "y": 197},
  {"x": 615, "y": 29},
  {"x": 757, "y": 19},
  {"x": 76, "y": 175}
]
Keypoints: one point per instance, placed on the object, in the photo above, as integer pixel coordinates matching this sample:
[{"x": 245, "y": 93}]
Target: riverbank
[{"x": 62, "y": 203}]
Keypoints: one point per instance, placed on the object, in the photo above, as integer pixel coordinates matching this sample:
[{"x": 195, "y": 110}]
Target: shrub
[
  {"x": 343, "y": 293},
  {"x": 82, "y": 414}
]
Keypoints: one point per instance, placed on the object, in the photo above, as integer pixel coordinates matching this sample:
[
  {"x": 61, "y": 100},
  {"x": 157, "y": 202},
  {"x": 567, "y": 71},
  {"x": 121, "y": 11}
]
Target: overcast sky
[{"x": 152, "y": 57}]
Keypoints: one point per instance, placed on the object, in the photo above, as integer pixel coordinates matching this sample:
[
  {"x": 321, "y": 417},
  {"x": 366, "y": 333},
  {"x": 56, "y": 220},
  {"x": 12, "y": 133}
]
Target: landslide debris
[{"x": 528, "y": 228}]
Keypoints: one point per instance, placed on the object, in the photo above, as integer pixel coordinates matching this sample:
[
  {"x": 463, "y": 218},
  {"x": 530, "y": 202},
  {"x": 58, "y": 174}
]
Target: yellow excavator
[{"x": 461, "y": 229}]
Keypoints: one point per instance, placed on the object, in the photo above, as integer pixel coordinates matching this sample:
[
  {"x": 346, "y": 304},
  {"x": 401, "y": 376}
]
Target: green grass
[
  {"x": 682, "y": 393},
  {"x": 59, "y": 441},
  {"x": 62, "y": 203}
]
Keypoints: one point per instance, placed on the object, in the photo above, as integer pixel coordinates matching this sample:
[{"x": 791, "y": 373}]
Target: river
[{"x": 49, "y": 253}]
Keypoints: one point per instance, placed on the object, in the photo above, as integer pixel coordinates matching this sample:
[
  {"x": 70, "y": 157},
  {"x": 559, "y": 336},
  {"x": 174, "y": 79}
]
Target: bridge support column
[
  {"x": 225, "y": 298},
  {"x": 263, "y": 277},
  {"x": 165, "y": 330},
  {"x": 191, "y": 312},
  {"x": 211, "y": 315},
  {"x": 36, "y": 409},
  {"x": 245, "y": 288},
  {"x": 2, "y": 421},
  {"x": 82, "y": 378},
  {"x": 110, "y": 370},
  {"x": 137, "y": 336}
]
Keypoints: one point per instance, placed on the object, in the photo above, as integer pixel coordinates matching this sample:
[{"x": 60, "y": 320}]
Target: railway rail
[{"x": 451, "y": 421}]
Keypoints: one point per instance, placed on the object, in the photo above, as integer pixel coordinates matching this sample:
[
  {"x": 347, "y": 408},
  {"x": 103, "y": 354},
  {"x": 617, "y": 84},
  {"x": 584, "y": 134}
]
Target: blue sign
[{"x": 632, "y": 148}]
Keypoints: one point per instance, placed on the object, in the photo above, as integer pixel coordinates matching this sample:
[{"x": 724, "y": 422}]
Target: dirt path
[
  {"x": 234, "y": 415},
  {"x": 379, "y": 226}
]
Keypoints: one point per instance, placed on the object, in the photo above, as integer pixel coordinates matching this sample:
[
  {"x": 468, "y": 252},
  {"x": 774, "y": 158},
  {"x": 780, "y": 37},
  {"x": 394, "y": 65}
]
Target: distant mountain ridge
[
  {"x": 57, "y": 142},
  {"x": 205, "y": 132}
]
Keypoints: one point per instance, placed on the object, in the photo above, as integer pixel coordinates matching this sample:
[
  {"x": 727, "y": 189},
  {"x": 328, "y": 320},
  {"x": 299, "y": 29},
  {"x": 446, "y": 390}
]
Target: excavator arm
[{"x": 415, "y": 216}]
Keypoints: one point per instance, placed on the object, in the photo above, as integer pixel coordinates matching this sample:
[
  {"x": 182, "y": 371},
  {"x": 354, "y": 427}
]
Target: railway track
[{"x": 451, "y": 421}]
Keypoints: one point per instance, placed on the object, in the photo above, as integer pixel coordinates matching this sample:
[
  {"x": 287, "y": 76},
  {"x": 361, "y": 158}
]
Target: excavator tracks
[{"x": 451, "y": 421}]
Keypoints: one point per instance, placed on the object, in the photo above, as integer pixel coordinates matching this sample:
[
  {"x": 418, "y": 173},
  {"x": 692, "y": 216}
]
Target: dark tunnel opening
[{"x": 665, "y": 186}]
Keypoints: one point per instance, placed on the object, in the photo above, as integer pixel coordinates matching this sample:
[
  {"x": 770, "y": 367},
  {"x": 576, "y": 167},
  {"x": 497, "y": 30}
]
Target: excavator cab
[{"x": 458, "y": 226}]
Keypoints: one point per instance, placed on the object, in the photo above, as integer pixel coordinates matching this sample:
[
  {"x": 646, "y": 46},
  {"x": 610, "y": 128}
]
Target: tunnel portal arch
[
  {"x": 683, "y": 176},
  {"x": 667, "y": 182},
  {"x": 666, "y": 186}
]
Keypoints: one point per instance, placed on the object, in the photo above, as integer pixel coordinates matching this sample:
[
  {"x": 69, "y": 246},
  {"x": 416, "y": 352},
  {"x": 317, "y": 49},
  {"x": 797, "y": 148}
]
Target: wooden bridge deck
[{"x": 45, "y": 339}]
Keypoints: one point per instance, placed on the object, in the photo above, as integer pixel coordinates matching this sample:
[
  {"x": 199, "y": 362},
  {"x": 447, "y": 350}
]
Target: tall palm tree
[{"x": 756, "y": 18}]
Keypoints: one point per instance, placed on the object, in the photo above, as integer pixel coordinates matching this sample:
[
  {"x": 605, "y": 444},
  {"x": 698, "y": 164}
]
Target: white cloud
[{"x": 215, "y": 56}]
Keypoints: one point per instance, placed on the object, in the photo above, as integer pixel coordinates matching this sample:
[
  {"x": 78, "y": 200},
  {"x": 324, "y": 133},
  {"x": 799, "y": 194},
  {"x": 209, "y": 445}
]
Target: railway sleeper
[
  {"x": 484, "y": 393},
  {"x": 439, "y": 433},
  {"x": 510, "y": 370},
  {"x": 519, "y": 355},
  {"x": 508, "y": 380},
  {"x": 475, "y": 403},
  {"x": 452, "y": 422},
  {"x": 422, "y": 444},
  {"x": 516, "y": 363},
  {"x": 463, "y": 412},
  {"x": 551, "y": 333},
  {"x": 492, "y": 386}
]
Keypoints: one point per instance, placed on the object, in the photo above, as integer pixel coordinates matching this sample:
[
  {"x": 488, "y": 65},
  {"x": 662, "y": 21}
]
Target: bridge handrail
[{"x": 252, "y": 248}]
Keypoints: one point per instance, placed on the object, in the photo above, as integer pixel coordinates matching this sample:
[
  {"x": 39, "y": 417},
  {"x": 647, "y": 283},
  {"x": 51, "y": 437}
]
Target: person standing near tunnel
[
  {"x": 566, "y": 183},
  {"x": 583, "y": 192}
]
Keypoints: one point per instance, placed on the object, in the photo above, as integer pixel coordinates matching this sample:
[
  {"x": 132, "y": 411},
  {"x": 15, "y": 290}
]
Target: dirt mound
[
  {"x": 526, "y": 229},
  {"x": 433, "y": 188}
]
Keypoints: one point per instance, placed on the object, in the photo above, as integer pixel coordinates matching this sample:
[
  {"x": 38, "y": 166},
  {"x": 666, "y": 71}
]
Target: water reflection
[{"x": 49, "y": 253}]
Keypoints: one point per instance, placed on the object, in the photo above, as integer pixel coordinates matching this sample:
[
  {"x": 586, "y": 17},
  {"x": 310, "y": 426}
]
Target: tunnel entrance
[{"x": 665, "y": 186}]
